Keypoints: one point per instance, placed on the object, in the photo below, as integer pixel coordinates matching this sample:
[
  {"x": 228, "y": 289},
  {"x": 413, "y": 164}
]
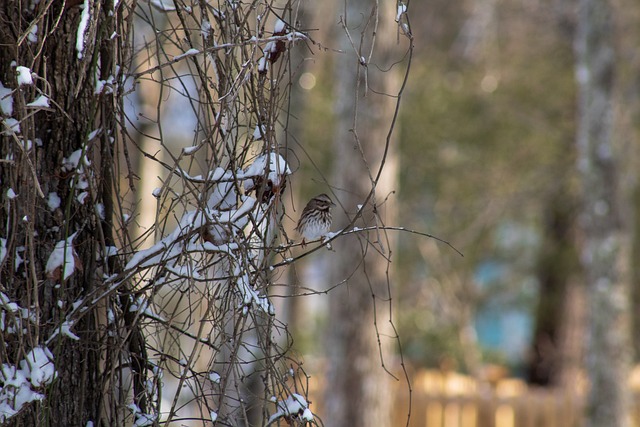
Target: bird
[{"x": 315, "y": 220}]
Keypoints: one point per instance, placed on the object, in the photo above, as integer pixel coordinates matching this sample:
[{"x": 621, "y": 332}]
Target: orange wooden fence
[
  {"x": 454, "y": 400},
  {"x": 449, "y": 399}
]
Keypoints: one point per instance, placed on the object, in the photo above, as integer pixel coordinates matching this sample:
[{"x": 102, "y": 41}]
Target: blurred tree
[
  {"x": 357, "y": 348},
  {"x": 608, "y": 341},
  {"x": 557, "y": 265}
]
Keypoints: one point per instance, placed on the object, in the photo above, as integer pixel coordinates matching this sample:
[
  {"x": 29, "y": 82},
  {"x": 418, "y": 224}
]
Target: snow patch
[
  {"x": 62, "y": 257},
  {"x": 262, "y": 64},
  {"x": 12, "y": 125},
  {"x": 82, "y": 27},
  {"x": 6, "y": 100},
  {"x": 53, "y": 201},
  {"x": 33, "y": 34},
  {"x": 163, "y": 5},
  {"x": 105, "y": 86},
  {"x": 3, "y": 251},
  {"x": 190, "y": 150},
  {"x": 214, "y": 377},
  {"x": 294, "y": 407},
  {"x": 40, "y": 102},
  {"x": 35, "y": 371},
  {"x": 24, "y": 76},
  {"x": 258, "y": 132},
  {"x": 402, "y": 9},
  {"x": 276, "y": 171},
  {"x": 70, "y": 163},
  {"x": 205, "y": 28},
  {"x": 190, "y": 52},
  {"x": 279, "y": 27}
]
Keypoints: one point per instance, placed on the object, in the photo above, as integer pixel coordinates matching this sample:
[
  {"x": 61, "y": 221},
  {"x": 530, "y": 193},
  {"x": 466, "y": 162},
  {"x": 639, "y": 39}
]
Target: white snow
[
  {"x": 53, "y": 201},
  {"x": 82, "y": 27},
  {"x": 143, "y": 420},
  {"x": 262, "y": 64},
  {"x": 24, "y": 76},
  {"x": 33, "y": 34},
  {"x": 257, "y": 133},
  {"x": 279, "y": 27},
  {"x": 190, "y": 52},
  {"x": 19, "y": 259},
  {"x": 278, "y": 168},
  {"x": 156, "y": 192},
  {"x": 293, "y": 35},
  {"x": 217, "y": 174},
  {"x": 70, "y": 163},
  {"x": 232, "y": 216},
  {"x": 93, "y": 134},
  {"x": 11, "y": 194},
  {"x": 12, "y": 125},
  {"x": 270, "y": 47},
  {"x": 250, "y": 296},
  {"x": 190, "y": 150},
  {"x": 402, "y": 9},
  {"x": 6, "y": 100},
  {"x": 163, "y": 5},
  {"x": 41, "y": 101},
  {"x": 82, "y": 197},
  {"x": 205, "y": 28},
  {"x": 214, "y": 377},
  {"x": 62, "y": 256},
  {"x": 65, "y": 329},
  {"x": 39, "y": 364},
  {"x": 330, "y": 235},
  {"x": 214, "y": 416},
  {"x": 3, "y": 251},
  {"x": 224, "y": 194},
  {"x": 36, "y": 371},
  {"x": 187, "y": 270},
  {"x": 100, "y": 210},
  {"x": 105, "y": 86},
  {"x": 294, "y": 406},
  {"x": 27, "y": 144}
]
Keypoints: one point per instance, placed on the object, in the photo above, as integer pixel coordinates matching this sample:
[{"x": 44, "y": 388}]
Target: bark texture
[
  {"x": 608, "y": 341},
  {"x": 43, "y": 36}
]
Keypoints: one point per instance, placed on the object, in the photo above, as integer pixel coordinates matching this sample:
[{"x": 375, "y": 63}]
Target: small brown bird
[{"x": 315, "y": 220}]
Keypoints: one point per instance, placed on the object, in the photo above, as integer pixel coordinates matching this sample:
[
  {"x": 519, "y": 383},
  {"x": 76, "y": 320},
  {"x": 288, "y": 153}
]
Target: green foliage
[{"x": 483, "y": 144}]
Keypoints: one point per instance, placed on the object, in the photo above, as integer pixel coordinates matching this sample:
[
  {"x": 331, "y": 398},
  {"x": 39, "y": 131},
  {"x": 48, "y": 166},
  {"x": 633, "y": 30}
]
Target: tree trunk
[
  {"x": 556, "y": 264},
  {"x": 356, "y": 392},
  {"x": 608, "y": 343},
  {"x": 38, "y": 166}
]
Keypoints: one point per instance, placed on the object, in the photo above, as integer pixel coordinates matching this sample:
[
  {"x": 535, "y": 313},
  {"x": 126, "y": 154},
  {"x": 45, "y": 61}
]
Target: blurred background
[{"x": 486, "y": 152}]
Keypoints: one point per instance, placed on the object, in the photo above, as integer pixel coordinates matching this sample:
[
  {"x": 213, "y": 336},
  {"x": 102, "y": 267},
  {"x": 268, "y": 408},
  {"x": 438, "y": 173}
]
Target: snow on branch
[
  {"x": 63, "y": 260},
  {"x": 23, "y": 383},
  {"x": 294, "y": 407}
]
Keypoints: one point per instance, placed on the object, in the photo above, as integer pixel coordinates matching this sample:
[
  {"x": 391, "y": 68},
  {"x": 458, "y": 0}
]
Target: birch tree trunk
[
  {"x": 357, "y": 388},
  {"x": 608, "y": 341}
]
